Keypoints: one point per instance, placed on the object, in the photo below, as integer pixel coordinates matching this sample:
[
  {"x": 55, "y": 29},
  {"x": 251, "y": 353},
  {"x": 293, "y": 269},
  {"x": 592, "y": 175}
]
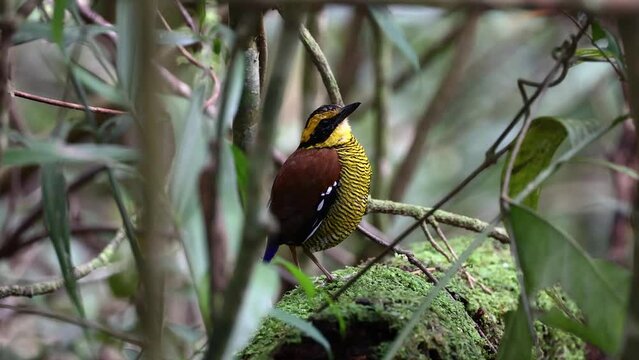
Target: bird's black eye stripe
[{"x": 321, "y": 109}]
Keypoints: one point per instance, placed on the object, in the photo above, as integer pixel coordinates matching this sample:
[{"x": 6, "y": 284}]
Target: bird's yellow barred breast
[{"x": 352, "y": 198}]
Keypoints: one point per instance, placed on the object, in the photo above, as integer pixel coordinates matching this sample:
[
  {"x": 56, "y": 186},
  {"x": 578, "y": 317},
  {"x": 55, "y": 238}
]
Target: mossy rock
[{"x": 462, "y": 323}]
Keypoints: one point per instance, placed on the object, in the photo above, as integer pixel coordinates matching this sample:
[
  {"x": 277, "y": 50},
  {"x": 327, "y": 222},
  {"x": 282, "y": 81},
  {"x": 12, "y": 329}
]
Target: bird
[{"x": 320, "y": 193}]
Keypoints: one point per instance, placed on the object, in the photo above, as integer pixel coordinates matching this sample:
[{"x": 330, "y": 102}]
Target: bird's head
[{"x": 327, "y": 126}]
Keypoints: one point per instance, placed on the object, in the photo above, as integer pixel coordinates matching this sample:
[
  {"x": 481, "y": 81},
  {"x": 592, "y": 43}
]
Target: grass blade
[{"x": 56, "y": 220}]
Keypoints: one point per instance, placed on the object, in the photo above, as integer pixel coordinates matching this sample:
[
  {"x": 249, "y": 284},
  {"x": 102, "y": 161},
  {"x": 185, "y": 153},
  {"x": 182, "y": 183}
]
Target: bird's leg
[
  {"x": 308, "y": 253},
  {"x": 294, "y": 254}
]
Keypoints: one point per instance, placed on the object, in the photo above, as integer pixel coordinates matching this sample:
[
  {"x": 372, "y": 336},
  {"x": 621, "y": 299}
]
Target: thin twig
[
  {"x": 313, "y": 49},
  {"x": 215, "y": 94},
  {"x": 66, "y": 104},
  {"x": 185, "y": 15},
  {"x": 47, "y": 287},
  {"x": 87, "y": 324}
]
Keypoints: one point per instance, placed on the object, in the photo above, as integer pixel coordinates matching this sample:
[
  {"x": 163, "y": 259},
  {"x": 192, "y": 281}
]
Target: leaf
[
  {"x": 597, "y": 32},
  {"x": 256, "y": 304},
  {"x": 99, "y": 86},
  {"x": 555, "y": 318},
  {"x": 234, "y": 90},
  {"x": 57, "y": 22},
  {"x": 610, "y": 165},
  {"x": 548, "y": 256},
  {"x": 189, "y": 159},
  {"x": 182, "y": 38},
  {"x": 115, "y": 127},
  {"x": 241, "y": 172},
  {"x": 593, "y": 54},
  {"x": 537, "y": 150},
  {"x": 516, "y": 342},
  {"x": 47, "y": 152},
  {"x": 305, "y": 282},
  {"x": 384, "y": 19},
  {"x": 31, "y": 31},
  {"x": 56, "y": 220},
  {"x": 304, "y": 326},
  {"x": 190, "y": 154},
  {"x": 127, "y": 54}
]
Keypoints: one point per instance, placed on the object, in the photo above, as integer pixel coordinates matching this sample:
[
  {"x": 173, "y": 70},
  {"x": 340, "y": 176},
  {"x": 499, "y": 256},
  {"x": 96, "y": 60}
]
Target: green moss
[
  {"x": 381, "y": 302},
  {"x": 377, "y": 306}
]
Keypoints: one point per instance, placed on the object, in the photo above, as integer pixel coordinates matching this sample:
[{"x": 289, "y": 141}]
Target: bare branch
[{"x": 47, "y": 287}]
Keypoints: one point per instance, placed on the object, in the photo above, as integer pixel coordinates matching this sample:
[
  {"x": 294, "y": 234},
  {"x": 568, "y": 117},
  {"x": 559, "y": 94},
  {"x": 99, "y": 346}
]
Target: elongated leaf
[
  {"x": 57, "y": 22},
  {"x": 30, "y": 31},
  {"x": 99, "y": 86},
  {"x": 190, "y": 154},
  {"x": 127, "y": 53},
  {"x": 56, "y": 220},
  {"x": 182, "y": 38},
  {"x": 50, "y": 152},
  {"x": 305, "y": 282},
  {"x": 548, "y": 256},
  {"x": 256, "y": 304},
  {"x": 384, "y": 19},
  {"x": 537, "y": 150},
  {"x": 516, "y": 342},
  {"x": 241, "y": 172},
  {"x": 610, "y": 165},
  {"x": 557, "y": 319},
  {"x": 305, "y": 326}
]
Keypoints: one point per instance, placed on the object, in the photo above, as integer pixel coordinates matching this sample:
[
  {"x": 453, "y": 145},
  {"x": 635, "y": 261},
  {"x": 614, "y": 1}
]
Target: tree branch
[
  {"x": 441, "y": 216},
  {"x": 66, "y": 104},
  {"x": 314, "y": 50},
  {"x": 47, "y": 287}
]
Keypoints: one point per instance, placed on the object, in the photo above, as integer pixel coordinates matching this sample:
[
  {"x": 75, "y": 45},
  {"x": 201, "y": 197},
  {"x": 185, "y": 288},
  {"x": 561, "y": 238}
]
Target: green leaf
[
  {"x": 57, "y": 22},
  {"x": 190, "y": 154},
  {"x": 99, "y": 86},
  {"x": 182, "y": 38},
  {"x": 610, "y": 165},
  {"x": 256, "y": 304},
  {"x": 305, "y": 282},
  {"x": 304, "y": 326},
  {"x": 593, "y": 54},
  {"x": 537, "y": 150},
  {"x": 548, "y": 256},
  {"x": 56, "y": 220},
  {"x": 555, "y": 318},
  {"x": 127, "y": 54},
  {"x": 31, "y": 31},
  {"x": 241, "y": 172},
  {"x": 47, "y": 152},
  {"x": 384, "y": 19},
  {"x": 597, "y": 32},
  {"x": 516, "y": 342}
]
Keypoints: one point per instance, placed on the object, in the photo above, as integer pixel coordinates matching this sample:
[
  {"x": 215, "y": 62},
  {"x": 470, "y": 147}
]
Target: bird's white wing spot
[
  {"x": 320, "y": 205},
  {"x": 314, "y": 230},
  {"x": 328, "y": 191}
]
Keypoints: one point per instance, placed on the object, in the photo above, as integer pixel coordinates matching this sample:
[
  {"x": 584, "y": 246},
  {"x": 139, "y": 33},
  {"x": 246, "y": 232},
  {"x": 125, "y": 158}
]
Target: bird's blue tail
[{"x": 271, "y": 249}]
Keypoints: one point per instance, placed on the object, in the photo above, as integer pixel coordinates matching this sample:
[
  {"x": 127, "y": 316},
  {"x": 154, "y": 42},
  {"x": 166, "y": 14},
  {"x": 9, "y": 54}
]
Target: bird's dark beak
[{"x": 347, "y": 110}]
